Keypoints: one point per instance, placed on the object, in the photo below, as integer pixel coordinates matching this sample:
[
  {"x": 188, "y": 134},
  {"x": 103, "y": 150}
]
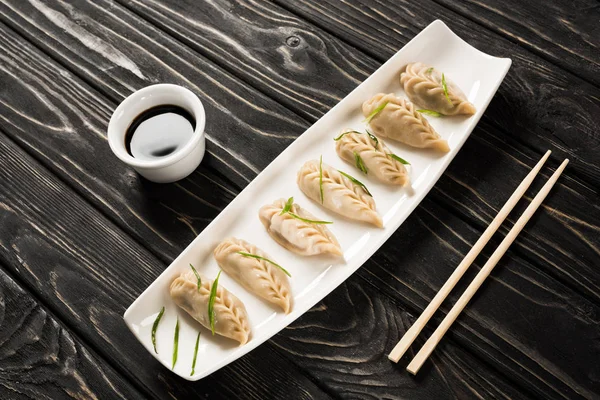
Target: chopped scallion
[
  {"x": 357, "y": 182},
  {"x": 265, "y": 259}
]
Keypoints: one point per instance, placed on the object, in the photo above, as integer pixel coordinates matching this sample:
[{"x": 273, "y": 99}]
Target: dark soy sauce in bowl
[{"x": 159, "y": 132}]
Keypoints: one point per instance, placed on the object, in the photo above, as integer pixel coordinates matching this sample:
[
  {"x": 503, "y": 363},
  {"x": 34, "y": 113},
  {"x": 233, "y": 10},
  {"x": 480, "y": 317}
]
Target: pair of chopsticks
[{"x": 437, "y": 336}]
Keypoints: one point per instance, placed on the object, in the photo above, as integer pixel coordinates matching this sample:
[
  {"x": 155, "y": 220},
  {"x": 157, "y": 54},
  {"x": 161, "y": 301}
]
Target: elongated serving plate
[{"x": 476, "y": 73}]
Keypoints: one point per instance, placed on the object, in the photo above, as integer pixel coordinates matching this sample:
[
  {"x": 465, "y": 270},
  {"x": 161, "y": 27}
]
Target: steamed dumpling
[
  {"x": 374, "y": 155},
  {"x": 399, "y": 120},
  {"x": 423, "y": 86},
  {"x": 340, "y": 194},
  {"x": 231, "y": 319},
  {"x": 301, "y": 237},
  {"x": 258, "y": 276}
]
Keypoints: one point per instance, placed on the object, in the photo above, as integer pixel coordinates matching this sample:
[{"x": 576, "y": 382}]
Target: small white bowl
[{"x": 175, "y": 166}]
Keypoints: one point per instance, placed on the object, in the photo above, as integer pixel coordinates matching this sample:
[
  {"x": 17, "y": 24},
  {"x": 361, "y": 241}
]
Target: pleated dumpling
[
  {"x": 291, "y": 230},
  {"x": 424, "y": 86},
  {"x": 397, "y": 119},
  {"x": 328, "y": 187},
  {"x": 255, "y": 270},
  {"x": 371, "y": 156},
  {"x": 231, "y": 319}
]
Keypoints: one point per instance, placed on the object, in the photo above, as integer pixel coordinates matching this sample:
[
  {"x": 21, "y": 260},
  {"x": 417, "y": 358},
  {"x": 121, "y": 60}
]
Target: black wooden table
[{"x": 81, "y": 235}]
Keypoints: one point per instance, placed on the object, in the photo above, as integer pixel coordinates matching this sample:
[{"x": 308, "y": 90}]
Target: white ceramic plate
[{"x": 476, "y": 73}]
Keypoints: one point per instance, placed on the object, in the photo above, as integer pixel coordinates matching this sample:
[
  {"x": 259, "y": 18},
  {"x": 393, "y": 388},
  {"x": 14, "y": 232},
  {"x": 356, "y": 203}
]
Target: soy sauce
[{"x": 159, "y": 132}]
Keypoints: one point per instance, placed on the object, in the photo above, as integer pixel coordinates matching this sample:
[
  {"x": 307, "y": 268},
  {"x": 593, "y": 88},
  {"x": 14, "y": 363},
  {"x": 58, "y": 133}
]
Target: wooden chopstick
[
  {"x": 420, "y": 323},
  {"x": 433, "y": 341}
]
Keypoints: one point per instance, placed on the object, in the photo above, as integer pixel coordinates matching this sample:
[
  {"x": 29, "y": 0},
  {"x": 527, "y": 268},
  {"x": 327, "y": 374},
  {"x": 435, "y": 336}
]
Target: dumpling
[
  {"x": 231, "y": 319},
  {"x": 259, "y": 276},
  {"x": 399, "y": 120},
  {"x": 301, "y": 237},
  {"x": 328, "y": 187},
  {"x": 423, "y": 86},
  {"x": 372, "y": 155}
]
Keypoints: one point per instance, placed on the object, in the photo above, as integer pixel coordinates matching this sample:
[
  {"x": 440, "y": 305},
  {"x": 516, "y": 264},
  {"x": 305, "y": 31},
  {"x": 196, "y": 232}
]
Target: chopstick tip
[
  {"x": 412, "y": 370},
  {"x": 562, "y": 166},
  {"x": 545, "y": 156}
]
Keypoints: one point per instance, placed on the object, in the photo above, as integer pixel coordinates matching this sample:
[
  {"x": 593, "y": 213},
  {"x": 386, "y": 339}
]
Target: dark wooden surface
[{"x": 81, "y": 236}]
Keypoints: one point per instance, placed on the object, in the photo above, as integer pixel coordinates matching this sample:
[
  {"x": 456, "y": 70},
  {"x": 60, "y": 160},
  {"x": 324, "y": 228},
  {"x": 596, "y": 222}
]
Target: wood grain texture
[
  {"x": 538, "y": 103},
  {"x": 182, "y": 216},
  {"x": 410, "y": 293},
  {"x": 90, "y": 276},
  {"x": 344, "y": 340},
  {"x": 564, "y": 32},
  {"x": 118, "y": 53},
  {"x": 543, "y": 83},
  {"x": 564, "y": 243},
  {"x": 271, "y": 49},
  {"x": 62, "y": 121},
  {"x": 521, "y": 320},
  {"x": 155, "y": 223},
  {"x": 41, "y": 359},
  {"x": 90, "y": 279}
]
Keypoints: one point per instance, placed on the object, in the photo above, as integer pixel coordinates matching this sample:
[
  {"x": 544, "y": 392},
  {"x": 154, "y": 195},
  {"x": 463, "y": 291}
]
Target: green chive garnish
[
  {"x": 429, "y": 70},
  {"x": 360, "y": 163},
  {"x": 321, "y": 178},
  {"x": 430, "y": 112},
  {"x": 195, "y": 355},
  {"x": 288, "y": 207},
  {"x": 356, "y": 181},
  {"x": 309, "y": 221},
  {"x": 175, "y": 343},
  {"x": 211, "y": 303},
  {"x": 375, "y": 112},
  {"x": 265, "y": 259},
  {"x": 373, "y": 138},
  {"x": 446, "y": 89},
  {"x": 400, "y": 159},
  {"x": 345, "y": 133},
  {"x": 197, "y": 276},
  {"x": 155, "y": 327}
]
